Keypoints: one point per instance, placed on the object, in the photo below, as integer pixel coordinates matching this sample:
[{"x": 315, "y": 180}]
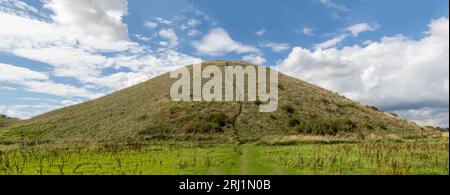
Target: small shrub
[
  {"x": 368, "y": 126},
  {"x": 199, "y": 127},
  {"x": 293, "y": 122},
  {"x": 288, "y": 108},
  {"x": 281, "y": 86},
  {"x": 393, "y": 114},
  {"x": 212, "y": 123},
  {"x": 218, "y": 119},
  {"x": 373, "y": 108},
  {"x": 327, "y": 126}
]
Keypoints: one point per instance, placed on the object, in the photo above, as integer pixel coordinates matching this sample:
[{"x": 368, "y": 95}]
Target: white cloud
[
  {"x": 395, "y": 73},
  {"x": 123, "y": 79},
  {"x": 254, "y": 59},
  {"x": 151, "y": 25},
  {"x": 436, "y": 117},
  {"x": 193, "y": 23},
  {"x": 18, "y": 8},
  {"x": 170, "y": 35},
  {"x": 218, "y": 42},
  {"x": 8, "y": 88},
  {"x": 69, "y": 62},
  {"x": 100, "y": 19},
  {"x": 356, "y": 29},
  {"x": 31, "y": 33},
  {"x": 367, "y": 42},
  {"x": 308, "y": 31},
  {"x": 2, "y": 109},
  {"x": 70, "y": 102},
  {"x": 335, "y": 6},
  {"x": 58, "y": 89},
  {"x": 163, "y": 21},
  {"x": 10, "y": 73},
  {"x": 26, "y": 111},
  {"x": 277, "y": 47},
  {"x": 261, "y": 32},
  {"x": 38, "y": 82},
  {"x": 353, "y": 30},
  {"x": 193, "y": 32},
  {"x": 142, "y": 37},
  {"x": 332, "y": 42},
  {"x": 190, "y": 26}
]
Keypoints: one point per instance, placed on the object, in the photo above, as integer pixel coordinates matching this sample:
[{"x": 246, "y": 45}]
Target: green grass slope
[
  {"x": 146, "y": 112},
  {"x": 6, "y": 121}
]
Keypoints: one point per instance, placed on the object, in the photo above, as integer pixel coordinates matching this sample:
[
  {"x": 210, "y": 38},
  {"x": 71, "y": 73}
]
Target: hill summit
[{"x": 146, "y": 112}]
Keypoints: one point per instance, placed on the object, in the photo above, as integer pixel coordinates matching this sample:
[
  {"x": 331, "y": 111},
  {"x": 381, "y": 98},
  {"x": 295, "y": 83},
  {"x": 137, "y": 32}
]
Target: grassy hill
[
  {"x": 146, "y": 112},
  {"x": 6, "y": 121}
]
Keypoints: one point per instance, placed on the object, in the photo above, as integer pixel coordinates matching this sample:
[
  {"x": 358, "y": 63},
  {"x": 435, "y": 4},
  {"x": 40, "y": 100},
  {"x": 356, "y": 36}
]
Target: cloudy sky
[{"x": 392, "y": 54}]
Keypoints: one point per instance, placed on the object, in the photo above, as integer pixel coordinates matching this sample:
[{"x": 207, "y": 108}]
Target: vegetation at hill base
[{"x": 195, "y": 158}]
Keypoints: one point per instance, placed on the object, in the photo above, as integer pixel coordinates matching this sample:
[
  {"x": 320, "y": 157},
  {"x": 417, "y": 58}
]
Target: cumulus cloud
[
  {"x": 38, "y": 82},
  {"x": 23, "y": 111},
  {"x": 218, "y": 42},
  {"x": 335, "y": 6},
  {"x": 260, "y": 32},
  {"x": 337, "y": 10},
  {"x": 151, "y": 25},
  {"x": 19, "y": 8},
  {"x": 436, "y": 117},
  {"x": 191, "y": 23},
  {"x": 142, "y": 37},
  {"x": 277, "y": 47},
  {"x": 80, "y": 49},
  {"x": 170, "y": 35},
  {"x": 254, "y": 59},
  {"x": 18, "y": 74},
  {"x": 6, "y": 88},
  {"x": 356, "y": 29},
  {"x": 396, "y": 73},
  {"x": 332, "y": 42},
  {"x": 193, "y": 32},
  {"x": 163, "y": 21},
  {"x": 308, "y": 31},
  {"x": 101, "y": 19},
  {"x": 353, "y": 30}
]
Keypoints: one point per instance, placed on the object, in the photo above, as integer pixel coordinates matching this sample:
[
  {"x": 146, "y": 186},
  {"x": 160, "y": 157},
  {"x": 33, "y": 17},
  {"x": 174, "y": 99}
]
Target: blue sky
[{"x": 392, "y": 54}]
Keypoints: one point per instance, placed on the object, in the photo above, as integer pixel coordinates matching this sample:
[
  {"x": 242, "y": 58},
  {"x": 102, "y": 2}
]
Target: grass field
[{"x": 188, "y": 158}]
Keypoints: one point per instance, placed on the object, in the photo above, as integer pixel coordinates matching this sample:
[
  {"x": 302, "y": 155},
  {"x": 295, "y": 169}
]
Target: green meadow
[{"x": 229, "y": 159}]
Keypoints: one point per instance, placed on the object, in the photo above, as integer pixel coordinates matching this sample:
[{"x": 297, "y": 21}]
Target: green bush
[
  {"x": 327, "y": 126},
  {"x": 393, "y": 114},
  {"x": 199, "y": 127},
  {"x": 293, "y": 122},
  {"x": 218, "y": 119},
  {"x": 288, "y": 108},
  {"x": 373, "y": 108},
  {"x": 211, "y": 123}
]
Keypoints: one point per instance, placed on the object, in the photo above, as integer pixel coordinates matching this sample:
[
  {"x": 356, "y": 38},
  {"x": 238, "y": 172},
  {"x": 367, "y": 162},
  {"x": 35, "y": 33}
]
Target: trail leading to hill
[
  {"x": 233, "y": 122},
  {"x": 245, "y": 159}
]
